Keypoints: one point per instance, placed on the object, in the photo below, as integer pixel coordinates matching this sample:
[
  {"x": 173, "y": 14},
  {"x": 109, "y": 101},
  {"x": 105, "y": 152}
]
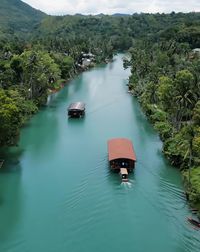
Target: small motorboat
[
  {"x": 124, "y": 174},
  {"x": 194, "y": 222}
]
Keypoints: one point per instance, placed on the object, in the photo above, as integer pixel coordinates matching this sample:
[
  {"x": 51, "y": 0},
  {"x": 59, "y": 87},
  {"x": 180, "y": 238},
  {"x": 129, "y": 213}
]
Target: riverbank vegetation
[{"x": 165, "y": 78}]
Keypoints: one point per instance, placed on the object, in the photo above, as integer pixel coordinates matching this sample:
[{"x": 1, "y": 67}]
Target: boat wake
[{"x": 127, "y": 184}]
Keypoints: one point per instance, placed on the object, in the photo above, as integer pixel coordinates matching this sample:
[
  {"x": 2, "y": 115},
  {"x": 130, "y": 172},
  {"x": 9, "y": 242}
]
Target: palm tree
[{"x": 189, "y": 136}]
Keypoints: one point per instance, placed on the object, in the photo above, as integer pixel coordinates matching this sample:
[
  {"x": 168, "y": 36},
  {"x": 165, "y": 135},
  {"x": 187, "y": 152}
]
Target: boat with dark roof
[{"x": 76, "y": 109}]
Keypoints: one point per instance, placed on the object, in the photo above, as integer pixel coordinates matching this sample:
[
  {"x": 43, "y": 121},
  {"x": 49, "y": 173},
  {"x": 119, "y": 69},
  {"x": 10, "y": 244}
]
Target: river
[{"x": 56, "y": 190}]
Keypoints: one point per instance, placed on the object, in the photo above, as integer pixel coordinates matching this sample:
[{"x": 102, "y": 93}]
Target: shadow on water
[
  {"x": 11, "y": 157},
  {"x": 10, "y": 192},
  {"x": 37, "y": 137},
  {"x": 76, "y": 120}
]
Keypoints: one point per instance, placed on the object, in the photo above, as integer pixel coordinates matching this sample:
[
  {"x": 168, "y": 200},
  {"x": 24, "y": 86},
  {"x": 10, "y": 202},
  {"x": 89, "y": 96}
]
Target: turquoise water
[{"x": 57, "y": 193}]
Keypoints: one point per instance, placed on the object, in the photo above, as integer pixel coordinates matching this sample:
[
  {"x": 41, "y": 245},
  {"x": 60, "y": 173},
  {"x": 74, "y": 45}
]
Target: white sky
[{"x": 113, "y": 6}]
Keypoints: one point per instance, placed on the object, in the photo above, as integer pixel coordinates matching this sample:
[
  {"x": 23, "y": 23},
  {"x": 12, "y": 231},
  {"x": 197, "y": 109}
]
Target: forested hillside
[
  {"x": 17, "y": 16},
  {"x": 120, "y": 30}
]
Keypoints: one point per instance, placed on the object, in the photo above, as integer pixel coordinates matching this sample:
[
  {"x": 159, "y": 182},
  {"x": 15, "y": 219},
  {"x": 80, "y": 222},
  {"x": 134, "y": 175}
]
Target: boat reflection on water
[{"x": 194, "y": 222}]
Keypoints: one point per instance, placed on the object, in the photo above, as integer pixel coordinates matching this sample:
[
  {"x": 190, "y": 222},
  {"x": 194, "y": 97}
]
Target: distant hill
[
  {"x": 18, "y": 16},
  {"x": 121, "y": 14}
]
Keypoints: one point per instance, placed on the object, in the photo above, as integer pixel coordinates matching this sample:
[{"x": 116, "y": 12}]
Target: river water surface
[{"x": 57, "y": 193}]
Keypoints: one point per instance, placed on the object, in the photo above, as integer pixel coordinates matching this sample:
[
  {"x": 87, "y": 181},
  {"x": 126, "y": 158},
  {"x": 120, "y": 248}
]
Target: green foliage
[
  {"x": 196, "y": 113},
  {"x": 14, "y": 112},
  {"x": 6, "y": 74},
  {"x": 185, "y": 98},
  {"x": 149, "y": 94},
  {"x": 196, "y": 145},
  {"x": 57, "y": 85},
  {"x": 192, "y": 183},
  {"x": 179, "y": 147},
  {"x": 10, "y": 120},
  {"x": 65, "y": 63},
  {"x": 25, "y": 78},
  {"x": 164, "y": 129},
  {"x": 158, "y": 116},
  {"x": 39, "y": 71},
  {"x": 25, "y": 107},
  {"x": 165, "y": 92},
  {"x": 19, "y": 17}
]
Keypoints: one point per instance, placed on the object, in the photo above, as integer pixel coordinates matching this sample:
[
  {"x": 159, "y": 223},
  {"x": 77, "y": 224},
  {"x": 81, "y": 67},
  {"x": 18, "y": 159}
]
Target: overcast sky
[{"x": 114, "y": 6}]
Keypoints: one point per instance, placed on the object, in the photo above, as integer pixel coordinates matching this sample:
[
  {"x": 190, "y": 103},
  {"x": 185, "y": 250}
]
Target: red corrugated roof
[{"x": 120, "y": 148}]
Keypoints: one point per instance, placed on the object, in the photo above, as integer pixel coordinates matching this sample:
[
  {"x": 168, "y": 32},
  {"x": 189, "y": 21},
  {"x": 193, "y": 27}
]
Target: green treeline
[
  {"x": 25, "y": 78},
  {"x": 165, "y": 78}
]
